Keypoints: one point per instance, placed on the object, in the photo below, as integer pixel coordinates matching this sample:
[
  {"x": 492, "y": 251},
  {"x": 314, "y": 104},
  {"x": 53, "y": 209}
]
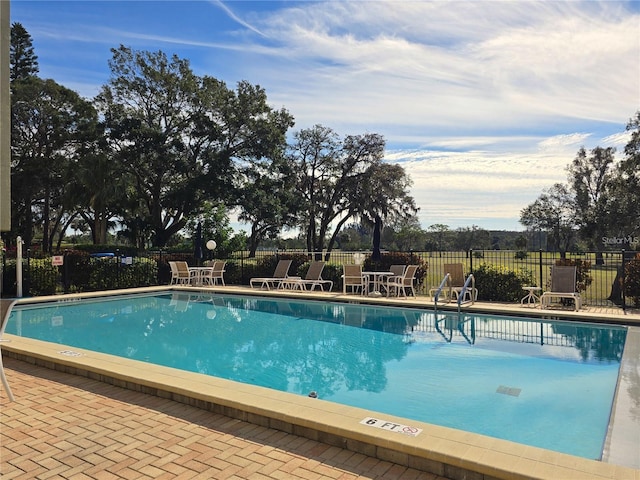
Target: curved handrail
[
  {"x": 472, "y": 323},
  {"x": 6, "y": 306},
  {"x": 465, "y": 287},
  {"x": 439, "y": 330},
  {"x": 439, "y": 290}
]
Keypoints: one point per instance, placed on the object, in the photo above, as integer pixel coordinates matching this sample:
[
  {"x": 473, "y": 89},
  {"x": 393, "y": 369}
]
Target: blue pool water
[{"x": 538, "y": 382}]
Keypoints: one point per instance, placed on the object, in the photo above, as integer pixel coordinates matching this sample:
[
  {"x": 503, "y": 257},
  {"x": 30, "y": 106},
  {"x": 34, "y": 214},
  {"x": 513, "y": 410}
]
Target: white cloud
[
  {"x": 561, "y": 142},
  {"x": 617, "y": 140},
  {"x": 483, "y": 102},
  {"x": 491, "y": 64},
  {"x": 488, "y": 188}
]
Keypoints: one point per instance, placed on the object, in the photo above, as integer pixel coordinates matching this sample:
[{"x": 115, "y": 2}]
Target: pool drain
[{"x": 514, "y": 392}]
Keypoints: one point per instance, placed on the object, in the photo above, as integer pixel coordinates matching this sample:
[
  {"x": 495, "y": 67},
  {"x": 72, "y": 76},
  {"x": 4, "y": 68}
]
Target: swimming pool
[{"x": 540, "y": 383}]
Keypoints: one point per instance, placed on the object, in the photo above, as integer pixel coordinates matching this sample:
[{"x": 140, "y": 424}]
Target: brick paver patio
[{"x": 63, "y": 426}]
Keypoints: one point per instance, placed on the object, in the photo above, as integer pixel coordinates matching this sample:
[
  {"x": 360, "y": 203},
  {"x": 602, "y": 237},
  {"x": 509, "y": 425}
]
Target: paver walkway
[{"x": 68, "y": 427}]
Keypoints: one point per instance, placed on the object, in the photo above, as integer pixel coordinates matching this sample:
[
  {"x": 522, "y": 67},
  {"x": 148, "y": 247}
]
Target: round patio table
[{"x": 377, "y": 278}]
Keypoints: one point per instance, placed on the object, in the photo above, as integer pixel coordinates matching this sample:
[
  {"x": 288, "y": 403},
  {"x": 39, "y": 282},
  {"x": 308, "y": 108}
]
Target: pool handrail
[
  {"x": 7, "y": 307},
  {"x": 439, "y": 330},
  {"x": 439, "y": 290},
  {"x": 464, "y": 289},
  {"x": 472, "y": 322}
]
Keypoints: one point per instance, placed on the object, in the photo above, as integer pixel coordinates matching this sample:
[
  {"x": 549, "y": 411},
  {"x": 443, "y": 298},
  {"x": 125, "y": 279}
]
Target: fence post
[
  {"x": 159, "y": 263},
  {"x": 624, "y": 300},
  {"x": 19, "y": 243},
  {"x": 118, "y": 266},
  {"x": 65, "y": 272},
  {"x": 27, "y": 278},
  {"x": 471, "y": 260},
  {"x": 540, "y": 269}
]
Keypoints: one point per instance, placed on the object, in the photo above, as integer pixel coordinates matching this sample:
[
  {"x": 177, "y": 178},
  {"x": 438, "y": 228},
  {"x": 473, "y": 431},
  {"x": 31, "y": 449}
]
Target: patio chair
[
  {"x": 397, "y": 270},
  {"x": 7, "y": 306},
  {"x": 401, "y": 283},
  {"x": 354, "y": 279},
  {"x": 563, "y": 285},
  {"x": 179, "y": 273},
  {"x": 174, "y": 273},
  {"x": 281, "y": 272},
  {"x": 216, "y": 273},
  {"x": 185, "y": 276},
  {"x": 312, "y": 279},
  {"x": 458, "y": 280},
  {"x": 455, "y": 284}
]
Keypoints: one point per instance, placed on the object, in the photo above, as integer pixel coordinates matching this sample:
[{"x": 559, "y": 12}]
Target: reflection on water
[
  {"x": 296, "y": 324},
  {"x": 450, "y": 369}
]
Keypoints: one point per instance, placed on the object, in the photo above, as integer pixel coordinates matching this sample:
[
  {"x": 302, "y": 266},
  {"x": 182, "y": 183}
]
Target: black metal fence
[{"x": 602, "y": 272}]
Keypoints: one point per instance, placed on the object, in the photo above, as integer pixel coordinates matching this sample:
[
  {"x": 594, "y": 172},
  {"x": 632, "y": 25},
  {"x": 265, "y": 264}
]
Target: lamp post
[{"x": 211, "y": 246}]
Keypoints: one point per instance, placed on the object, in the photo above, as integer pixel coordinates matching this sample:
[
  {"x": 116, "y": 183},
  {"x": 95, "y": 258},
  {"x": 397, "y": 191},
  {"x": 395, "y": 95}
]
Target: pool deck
[{"x": 73, "y": 419}]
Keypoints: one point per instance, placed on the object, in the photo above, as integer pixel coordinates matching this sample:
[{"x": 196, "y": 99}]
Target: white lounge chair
[
  {"x": 312, "y": 279},
  {"x": 281, "y": 272}
]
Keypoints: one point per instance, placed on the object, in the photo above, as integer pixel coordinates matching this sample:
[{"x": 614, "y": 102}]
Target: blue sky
[{"x": 484, "y": 103}]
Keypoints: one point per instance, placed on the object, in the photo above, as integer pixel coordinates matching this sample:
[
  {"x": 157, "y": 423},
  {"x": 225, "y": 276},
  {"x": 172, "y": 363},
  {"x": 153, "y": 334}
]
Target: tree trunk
[
  {"x": 377, "y": 229},
  {"x": 616, "y": 288},
  {"x": 28, "y": 226},
  {"x": 197, "y": 244},
  {"x": 45, "y": 221},
  {"x": 100, "y": 230}
]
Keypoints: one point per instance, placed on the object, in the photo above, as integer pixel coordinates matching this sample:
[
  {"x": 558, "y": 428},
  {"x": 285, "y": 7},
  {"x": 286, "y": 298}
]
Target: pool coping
[{"x": 440, "y": 450}]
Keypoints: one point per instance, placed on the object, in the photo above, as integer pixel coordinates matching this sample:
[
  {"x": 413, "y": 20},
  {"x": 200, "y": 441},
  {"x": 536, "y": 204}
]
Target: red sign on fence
[{"x": 57, "y": 260}]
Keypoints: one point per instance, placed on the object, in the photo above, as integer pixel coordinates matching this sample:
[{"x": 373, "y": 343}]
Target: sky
[{"x": 484, "y": 103}]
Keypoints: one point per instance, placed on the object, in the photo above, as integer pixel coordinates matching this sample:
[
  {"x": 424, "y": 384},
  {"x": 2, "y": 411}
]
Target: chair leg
[{"x": 4, "y": 381}]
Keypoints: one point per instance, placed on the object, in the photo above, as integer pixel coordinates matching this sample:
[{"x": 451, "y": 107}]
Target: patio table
[
  {"x": 378, "y": 280},
  {"x": 198, "y": 274}
]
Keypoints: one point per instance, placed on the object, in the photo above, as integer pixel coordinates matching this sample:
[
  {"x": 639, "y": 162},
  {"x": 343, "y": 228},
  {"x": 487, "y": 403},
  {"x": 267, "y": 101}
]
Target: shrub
[
  {"x": 44, "y": 278},
  {"x": 265, "y": 267},
  {"x": 583, "y": 276},
  {"x": 9, "y": 277},
  {"x": 397, "y": 258},
  {"x": 330, "y": 271},
  {"x": 632, "y": 280},
  {"x": 78, "y": 268},
  {"x": 500, "y": 284},
  {"x": 233, "y": 273},
  {"x": 109, "y": 273},
  {"x": 333, "y": 272},
  {"x": 122, "y": 250},
  {"x": 521, "y": 255}
]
